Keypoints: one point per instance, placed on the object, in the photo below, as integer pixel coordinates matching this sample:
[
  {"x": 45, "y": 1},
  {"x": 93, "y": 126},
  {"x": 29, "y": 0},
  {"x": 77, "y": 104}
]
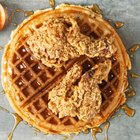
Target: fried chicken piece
[
  {"x": 84, "y": 100},
  {"x": 59, "y": 40}
]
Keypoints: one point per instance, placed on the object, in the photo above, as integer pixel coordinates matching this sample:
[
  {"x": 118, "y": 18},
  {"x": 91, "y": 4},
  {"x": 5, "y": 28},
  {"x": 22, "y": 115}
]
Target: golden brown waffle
[{"x": 27, "y": 81}]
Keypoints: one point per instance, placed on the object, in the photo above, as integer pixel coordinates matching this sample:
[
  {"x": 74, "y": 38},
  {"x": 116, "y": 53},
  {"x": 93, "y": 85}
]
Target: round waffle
[{"x": 27, "y": 81}]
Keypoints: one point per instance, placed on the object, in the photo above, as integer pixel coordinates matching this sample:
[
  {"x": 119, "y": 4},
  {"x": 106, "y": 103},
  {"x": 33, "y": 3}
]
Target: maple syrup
[
  {"x": 94, "y": 131},
  {"x": 95, "y": 8},
  {"x": 4, "y": 109},
  {"x": 26, "y": 13},
  {"x": 18, "y": 119},
  {"x": 52, "y": 3},
  {"x": 11, "y": 17},
  {"x": 2, "y": 92},
  {"x": 128, "y": 111},
  {"x": 106, "y": 127},
  {"x": 118, "y": 24},
  {"x": 134, "y": 75},
  {"x": 1, "y": 48},
  {"x": 134, "y": 47},
  {"x": 130, "y": 92},
  {"x": 86, "y": 131},
  {"x": 36, "y": 131}
]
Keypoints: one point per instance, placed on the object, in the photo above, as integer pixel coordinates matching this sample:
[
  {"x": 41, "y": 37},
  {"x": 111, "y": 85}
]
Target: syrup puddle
[
  {"x": 17, "y": 119},
  {"x": 52, "y": 3},
  {"x": 94, "y": 131},
  {"x": 134, "y": 75},
  {"x": 118, "y": 24},
  {"x": 106, "y": 127},
  {"x": 128, "y": 111}
]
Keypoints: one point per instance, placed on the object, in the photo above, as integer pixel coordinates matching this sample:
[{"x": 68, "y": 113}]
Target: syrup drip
[
  {"x": 130, "y": 92},
  {"x": 95, "y": 8},
  {"x": 18, "y": 119},
  {"x": 26, "y": 13},
  {"x": 26, "y": 123},
  {"x": 65, "y": 137},
  {"x": 2, "y": 92},
  {"x": 118, "y": 24},
  {"x": 94, "y": 131},
  {"x": 110, "y": 20},
  {"x": 4, "y": 109},
  {"x": 86, "y": 131},
  {"x": 128, "y": 111},
  {"x": 119, "y": 115},
  {"x": 1, "y": 47},
  {"x": 68, "y": 137},
  {"x": 106, "y": 127},
  {"x": 134, "y": 48},
  {"x": 36, "y": 131},
  {"x": 134, "y": 75},
  {"x": 10, "y": 19},
  {"x": 52, "y": 3},
  {"x": 30, "y": 125}
]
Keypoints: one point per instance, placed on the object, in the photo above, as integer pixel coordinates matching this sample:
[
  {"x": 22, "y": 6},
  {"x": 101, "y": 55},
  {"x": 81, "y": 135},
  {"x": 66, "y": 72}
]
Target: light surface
[{"x": 121, "y": 128}]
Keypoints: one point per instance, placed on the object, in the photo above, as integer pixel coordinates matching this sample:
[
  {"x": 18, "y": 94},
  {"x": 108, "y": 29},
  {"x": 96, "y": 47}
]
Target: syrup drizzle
[
  {"x": 86, "y": 131},
  {"x": 10, "y": 19},
  {"x": 52, "y": 3},
  {"x": 2, "y": 92},
  {"x": 106, "y": 127},
  {"x": 134, "y": 47},
  {"x": 18, "y": 119},
  {"x": 94, "y": 131},
  {"x": 1, "y": 48},
  {"x": 130, "y": 92},
  {"x": 134, "y": 75},
  {"x": 36, "y": 131},
  {"x": 95, "y": 8},
  {"x": 26, "y": 13},
  {"x": 68, "y": 136},
  {"x": 118, "y": 24},
  {"x": 128, "y": 111},
  {"x": 4, "y": 109}
]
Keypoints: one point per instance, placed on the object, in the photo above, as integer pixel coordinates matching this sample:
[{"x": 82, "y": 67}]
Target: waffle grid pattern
[{"x": 30, "y": 77}]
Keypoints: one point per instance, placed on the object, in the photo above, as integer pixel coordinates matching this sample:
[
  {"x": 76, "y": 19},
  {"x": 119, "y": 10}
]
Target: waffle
[{"x": 27, "y": 81}]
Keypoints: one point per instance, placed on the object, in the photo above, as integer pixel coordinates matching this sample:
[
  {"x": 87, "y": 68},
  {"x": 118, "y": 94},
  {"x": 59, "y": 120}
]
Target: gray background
[{"x": 121, "y": 128}]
